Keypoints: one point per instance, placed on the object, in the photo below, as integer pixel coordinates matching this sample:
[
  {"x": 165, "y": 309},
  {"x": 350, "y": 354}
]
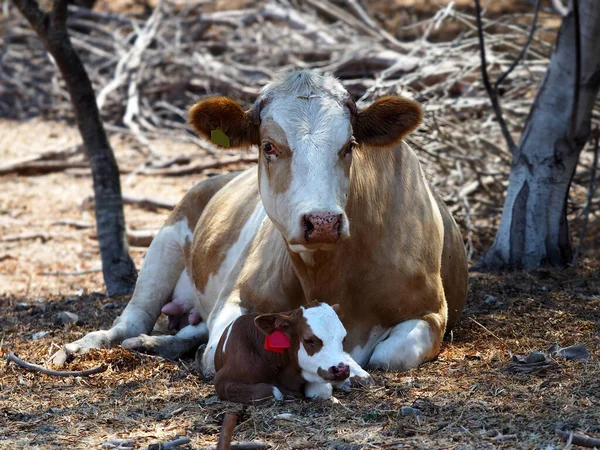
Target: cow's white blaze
[
  {"x": 326, "y": 325},
  {"x": 311, "y": 111}
]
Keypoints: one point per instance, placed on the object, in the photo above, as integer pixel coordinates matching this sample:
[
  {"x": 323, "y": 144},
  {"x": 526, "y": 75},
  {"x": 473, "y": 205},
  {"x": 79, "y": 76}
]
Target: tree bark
[
  {"x": 534, "y": 230},
  {"x": 117, "y": 266}
]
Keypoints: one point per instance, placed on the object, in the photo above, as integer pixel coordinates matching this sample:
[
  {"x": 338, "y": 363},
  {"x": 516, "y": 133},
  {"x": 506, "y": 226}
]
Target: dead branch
[
  {"x": 26, "y": 237},
  {"x": 70, "y": 274},
  {"x": 493, "y": 95},
  {"x": 579, "y": 439},
  {"x": 141, "y": 238},
  {"x": 147, "y": 203},
  {"x": 224, "y": 442},
  {"x": 241, "y": 445},
  {"x": 199, "y": 167},
  {"x": 170, "y": 445},
  {"x": 10, "y": 356}
]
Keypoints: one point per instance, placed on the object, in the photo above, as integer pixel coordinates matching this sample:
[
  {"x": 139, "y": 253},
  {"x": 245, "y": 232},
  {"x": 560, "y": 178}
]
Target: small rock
[
  {"x": 65, "y": 317},
  {"x": 38, "y": 335},
  {"x": 409, "y": 411}
]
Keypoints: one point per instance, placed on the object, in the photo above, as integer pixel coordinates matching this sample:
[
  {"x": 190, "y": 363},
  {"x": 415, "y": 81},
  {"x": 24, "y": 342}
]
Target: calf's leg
[{"x": 247, "y": 393}]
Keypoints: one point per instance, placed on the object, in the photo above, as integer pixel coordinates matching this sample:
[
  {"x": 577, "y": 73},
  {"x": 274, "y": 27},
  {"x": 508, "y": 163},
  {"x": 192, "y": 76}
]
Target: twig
[
  {"x": 590, "y": 196},
  {"x": 10, "y": 356},
  {"x": 488, "y": 87},
  {"x": 579, "y": 439},
  {"x": 224, "y": 442},
  {"x": 523, "y": 51},
  {"x": 70, "y": 274},
  {"x": 141, "y": 238},
  {"x": 491, "y": 333},
  {"x": 199, "y": 167},
  {"x": 147, "y": 203},
  {"x": 25, "y": 237},
  {"x": 169, "y": 445},
  {"x": 241, "y": 445}
]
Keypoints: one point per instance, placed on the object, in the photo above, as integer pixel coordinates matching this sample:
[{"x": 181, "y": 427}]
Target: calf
[{"x": 265, "y": 356}]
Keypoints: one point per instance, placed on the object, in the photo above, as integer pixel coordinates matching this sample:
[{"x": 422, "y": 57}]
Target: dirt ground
[
  {"x": 466, "y": 398},
  {"x": 49, "y": 263}
]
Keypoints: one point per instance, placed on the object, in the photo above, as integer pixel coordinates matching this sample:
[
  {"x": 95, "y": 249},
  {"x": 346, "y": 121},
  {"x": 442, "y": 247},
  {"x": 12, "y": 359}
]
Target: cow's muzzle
[
  {"x": 335, "y": 373},
  {"x": 323, "y": 228}
]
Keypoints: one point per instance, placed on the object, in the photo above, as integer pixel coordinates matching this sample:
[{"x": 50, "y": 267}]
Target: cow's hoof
[
  {"x": 96, "y": 339},
  {"x": 142, "y": 343}
]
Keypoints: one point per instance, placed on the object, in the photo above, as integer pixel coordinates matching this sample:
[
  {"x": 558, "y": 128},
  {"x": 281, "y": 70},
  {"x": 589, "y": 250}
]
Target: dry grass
[{"x": 466, "y": 399}]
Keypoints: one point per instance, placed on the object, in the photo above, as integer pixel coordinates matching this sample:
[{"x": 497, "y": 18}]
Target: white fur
[
  {"x": 361, "y": 354},
  {"x": 277, "y": 394},
  {"x": 319, "y": 390},
  {"x": 311, "y": 111},
  {"x": 407, "y": 346},
  {"x": 228, "y": 329},
  {"x": 327, "y": 326}
]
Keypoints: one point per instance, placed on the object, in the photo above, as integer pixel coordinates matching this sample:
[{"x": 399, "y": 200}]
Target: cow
[
  {"x": 266, "y": 356},
  {"x": 338, "y": 209}
]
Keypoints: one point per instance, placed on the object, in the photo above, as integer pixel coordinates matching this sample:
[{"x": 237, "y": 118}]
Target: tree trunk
[
  {"x": 533, "y": 229},
  {"x": 117, "y": 266}
]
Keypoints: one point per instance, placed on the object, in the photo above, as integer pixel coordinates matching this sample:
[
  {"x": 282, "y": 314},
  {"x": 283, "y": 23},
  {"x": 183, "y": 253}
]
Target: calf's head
[
  {"x": 316, "y": 337},
  {"x": 307, "y": 127}
]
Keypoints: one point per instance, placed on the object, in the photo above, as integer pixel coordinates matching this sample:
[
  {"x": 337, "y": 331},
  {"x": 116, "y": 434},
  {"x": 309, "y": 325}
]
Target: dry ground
[{"x": 466, "y": 398}]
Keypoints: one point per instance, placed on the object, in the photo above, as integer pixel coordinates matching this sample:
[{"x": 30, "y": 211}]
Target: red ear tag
[{"x": 277, "y": 341}]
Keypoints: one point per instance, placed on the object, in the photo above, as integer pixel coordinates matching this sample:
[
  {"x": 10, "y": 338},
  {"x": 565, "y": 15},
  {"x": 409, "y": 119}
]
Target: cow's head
[
  {"x": 307, "y": 126},
  {"x": 317, "y": 337}
]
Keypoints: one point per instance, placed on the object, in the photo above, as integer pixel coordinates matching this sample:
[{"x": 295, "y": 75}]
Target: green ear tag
[{"x": 219, "y": 138}]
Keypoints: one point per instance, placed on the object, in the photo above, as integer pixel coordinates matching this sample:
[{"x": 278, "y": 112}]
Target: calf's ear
[
  {"x": 386, "y": 122},
  {"x": 224, "y": 122},
  {"x": 267, "y": 323}
]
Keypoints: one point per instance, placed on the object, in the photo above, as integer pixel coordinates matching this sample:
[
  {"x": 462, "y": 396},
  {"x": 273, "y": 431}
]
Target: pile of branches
[{"x": 148, "y": 70}]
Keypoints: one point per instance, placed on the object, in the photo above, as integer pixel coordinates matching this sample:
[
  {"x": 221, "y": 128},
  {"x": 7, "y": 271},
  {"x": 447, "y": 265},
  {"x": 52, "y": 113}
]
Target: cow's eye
[
  {"x": 269, "y": 149},
  {"x": 348, "y": 149}
]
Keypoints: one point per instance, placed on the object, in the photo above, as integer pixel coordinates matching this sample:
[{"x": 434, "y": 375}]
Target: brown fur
[
  {"x": 386, "y": 122},
  {"x": 246, "y": 372},
  {"x": 226, "y": 114}
]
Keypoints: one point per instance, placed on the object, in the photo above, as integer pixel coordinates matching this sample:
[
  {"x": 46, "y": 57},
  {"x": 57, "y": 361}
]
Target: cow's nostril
[{"x": 322, "y": 227}]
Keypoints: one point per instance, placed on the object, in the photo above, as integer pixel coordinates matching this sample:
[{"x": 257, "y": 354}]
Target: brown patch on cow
[
  {"x": 267, "y": 282},
  {"x": 387, "y": 121},
  {"x": 226, "y": 114},
  {"x": 312, "y": 344},
  {"x": 219, "y": 228},
  {"x": 279, "y": 171},
  {"x": 195, "y": 200}
]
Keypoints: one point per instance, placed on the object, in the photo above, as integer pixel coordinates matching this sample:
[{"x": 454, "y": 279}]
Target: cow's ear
[
  {"x": 267, "y": 323},
  {"x": 224, "y": 122},
  {"x": 386, "y": 122}
]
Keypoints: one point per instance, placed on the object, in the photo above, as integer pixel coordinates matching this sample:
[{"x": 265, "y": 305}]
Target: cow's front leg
[
  {"x": 170, "y": 347},
  {"x": 162, "y": 267},
  {"x": 409, "y": 344}
]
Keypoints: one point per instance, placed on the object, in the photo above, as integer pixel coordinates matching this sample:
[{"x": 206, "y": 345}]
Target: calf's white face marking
[{"x": 325, "y": 325}]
